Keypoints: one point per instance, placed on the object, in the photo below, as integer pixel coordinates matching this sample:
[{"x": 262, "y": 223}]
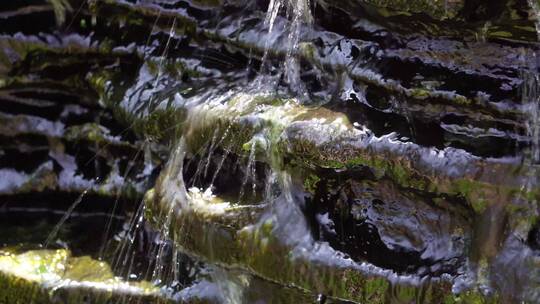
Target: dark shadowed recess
[{"x": 338, "y": 214}]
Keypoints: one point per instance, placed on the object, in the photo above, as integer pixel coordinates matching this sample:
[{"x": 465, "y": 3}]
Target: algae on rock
[{"x": 44, "y": 276}]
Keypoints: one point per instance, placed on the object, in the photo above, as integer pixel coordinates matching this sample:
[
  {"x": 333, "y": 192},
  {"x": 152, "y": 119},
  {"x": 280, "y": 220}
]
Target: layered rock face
[{"x": 366, "y": 151}]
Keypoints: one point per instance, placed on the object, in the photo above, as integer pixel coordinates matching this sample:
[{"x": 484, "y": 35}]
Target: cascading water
[
  {"x": 500, "y": 249},
  {"x": 371, "y": 155},
  {"x": 301, "y": 20},
  {"x": 531, "y": 91},
  {"x": 285, "y": 211}
]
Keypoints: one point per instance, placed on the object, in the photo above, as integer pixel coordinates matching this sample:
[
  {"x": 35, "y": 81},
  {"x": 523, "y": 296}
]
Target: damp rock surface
[
  {"x": 373, "y": 151},
  {"x": 47, "y": 275}
]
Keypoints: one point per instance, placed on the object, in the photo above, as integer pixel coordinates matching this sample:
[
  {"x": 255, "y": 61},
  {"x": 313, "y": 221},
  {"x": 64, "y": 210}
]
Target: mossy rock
[
  {"x": 256, "y": 249},
  {"x": 53, "y": 276},
  {"x": 438, "y": 9}
]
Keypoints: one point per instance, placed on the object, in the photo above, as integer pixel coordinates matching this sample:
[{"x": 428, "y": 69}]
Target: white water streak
[
  {"x": 531, "y": 92},
  {"x": 299, "y": 14},
  {"x": 63, "y": 220}
]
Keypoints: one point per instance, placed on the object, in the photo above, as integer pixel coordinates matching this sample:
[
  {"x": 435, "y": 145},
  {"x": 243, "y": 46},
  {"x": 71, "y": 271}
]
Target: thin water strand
[
  {"x": 300, "y": 21},
  {"x": 63, "y": 220}
]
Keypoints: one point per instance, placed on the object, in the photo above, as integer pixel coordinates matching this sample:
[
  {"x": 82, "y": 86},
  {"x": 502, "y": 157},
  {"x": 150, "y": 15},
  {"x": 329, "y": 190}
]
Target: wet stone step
[
  {"x": 54, "y": 276},
  {"x": 397, "y": 174},
  {"x": 424, "y": 52},
  {"x": 390, "y": 228},
  {"x": 506, "y": 22},
  {"x": 471, "y": 126},
  {"x": 235, "y": 216},
  {"x": 263, "y": 233},
  {"x": 236, "y": 233},
  {"x": 75, "y": 158},
  {"x": 282, "y": 250},
  {"x": 28, "y": 277},
  {"x": 85, "y": 275},
  {"x": 491, "y": 112},
  {"x": 74, "y": 144},
  {"x": 316, "y": 137}
]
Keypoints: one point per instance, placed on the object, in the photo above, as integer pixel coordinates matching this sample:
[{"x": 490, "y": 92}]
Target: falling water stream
[
  {"x": 531, "y": 92},
  {"x": 54, "y": 232},
  {"x": 301, "y": 21}
]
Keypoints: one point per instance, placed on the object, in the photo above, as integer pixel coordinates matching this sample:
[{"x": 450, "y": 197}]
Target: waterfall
[
  {"x": 300, "y": 21},
  {"x": 535, "y": 6},
  {"x": 375, "y": 153},
  {"x": 531, "y": 92},
  {"x": 531, "y": 102}
]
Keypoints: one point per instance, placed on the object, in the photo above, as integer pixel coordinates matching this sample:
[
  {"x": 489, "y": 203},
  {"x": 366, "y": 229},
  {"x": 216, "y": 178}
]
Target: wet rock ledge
[{"x": 398, "y": 167}]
